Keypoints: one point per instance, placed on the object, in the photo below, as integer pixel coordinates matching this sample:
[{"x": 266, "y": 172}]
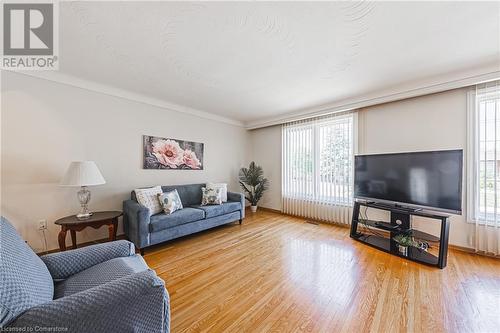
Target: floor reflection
[
  {"x": 325, "y": 270},
  {"x": 484, "y": 293}
]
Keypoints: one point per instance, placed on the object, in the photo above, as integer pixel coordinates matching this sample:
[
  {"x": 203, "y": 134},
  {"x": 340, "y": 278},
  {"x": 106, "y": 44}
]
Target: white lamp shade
[{"x": 84, "y": 173}]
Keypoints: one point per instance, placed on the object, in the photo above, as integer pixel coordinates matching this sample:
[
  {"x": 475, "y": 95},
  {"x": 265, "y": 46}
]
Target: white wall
[
  {"x": 429, "y": 122},
  {"x": 265, "y": 146},
  {"x": 46, "y": 125}
]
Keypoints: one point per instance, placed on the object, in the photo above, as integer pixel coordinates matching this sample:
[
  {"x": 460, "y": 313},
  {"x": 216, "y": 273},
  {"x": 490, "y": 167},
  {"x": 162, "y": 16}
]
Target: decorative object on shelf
[
  {"x": 83, "y": 174},
  {"x": 404, "y": 240},
  {"x": 163, "y": 153},
  {"x": 422, "y": 245},
  {"x": 254, "y": 184}
]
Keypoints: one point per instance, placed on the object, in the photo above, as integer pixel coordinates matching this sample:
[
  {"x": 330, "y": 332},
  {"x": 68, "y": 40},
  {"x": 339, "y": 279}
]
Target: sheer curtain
[
  {"x": 483, "y": 166},
  {"x": 318, "y": 167}
]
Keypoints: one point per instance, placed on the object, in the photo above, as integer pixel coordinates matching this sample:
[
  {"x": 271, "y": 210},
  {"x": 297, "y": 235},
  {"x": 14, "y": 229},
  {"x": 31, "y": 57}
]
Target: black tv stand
[
  {"x": 400, "y": 222},
  {"x": 398, "y": 207}
]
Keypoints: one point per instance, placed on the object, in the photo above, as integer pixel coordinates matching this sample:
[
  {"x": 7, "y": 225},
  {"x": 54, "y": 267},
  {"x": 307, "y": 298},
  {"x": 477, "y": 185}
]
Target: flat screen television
[{"x": 429, "y": 180}]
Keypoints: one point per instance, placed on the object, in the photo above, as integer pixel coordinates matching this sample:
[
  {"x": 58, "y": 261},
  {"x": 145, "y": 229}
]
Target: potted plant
[
  {"x": 253, "y": 183},
  {"x": 404, "y": 240}
]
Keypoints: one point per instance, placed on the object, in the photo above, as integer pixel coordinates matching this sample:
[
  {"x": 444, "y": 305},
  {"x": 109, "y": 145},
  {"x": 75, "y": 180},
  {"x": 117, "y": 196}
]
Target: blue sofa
[
  {"x": 99, "y": 288},
  {"x": 145, "y": 231}
]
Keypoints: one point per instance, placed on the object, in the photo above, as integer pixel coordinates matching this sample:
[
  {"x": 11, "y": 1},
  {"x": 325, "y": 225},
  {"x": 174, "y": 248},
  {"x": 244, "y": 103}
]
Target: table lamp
[{"x": 84, "y": 173}]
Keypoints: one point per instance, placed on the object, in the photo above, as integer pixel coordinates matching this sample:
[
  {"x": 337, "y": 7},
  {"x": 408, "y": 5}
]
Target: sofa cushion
[
  {"x": 163, "y": 221},
  {"x": 217, "y": 210},
  {"x": 190, "y": 194},
  {"x": 100, "y": 274},
  {"x": 222, "y": 187},
  {"x": 211, "y": 196},
  {"x": 25, "y": 281},
  {"x": 148, "y": 197},
  {"x": 170, "y": 201}
]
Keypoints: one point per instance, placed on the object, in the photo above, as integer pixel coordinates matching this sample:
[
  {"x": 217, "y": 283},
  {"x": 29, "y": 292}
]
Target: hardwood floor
[{"x": 278, "y": 273}]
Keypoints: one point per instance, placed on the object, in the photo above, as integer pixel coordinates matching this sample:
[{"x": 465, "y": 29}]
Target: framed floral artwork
[{"x": 163, "y": 153}]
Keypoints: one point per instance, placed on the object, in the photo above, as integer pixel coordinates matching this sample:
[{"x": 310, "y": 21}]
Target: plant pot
[
  {"x": 403, "y": 250},
  {"x": 253, "y": 208}
]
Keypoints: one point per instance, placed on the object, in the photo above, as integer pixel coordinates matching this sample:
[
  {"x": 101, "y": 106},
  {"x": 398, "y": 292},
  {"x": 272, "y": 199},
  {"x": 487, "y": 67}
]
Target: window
[
  {"x": 318, "y": 159},
  {"x": 484, "y": 154}
]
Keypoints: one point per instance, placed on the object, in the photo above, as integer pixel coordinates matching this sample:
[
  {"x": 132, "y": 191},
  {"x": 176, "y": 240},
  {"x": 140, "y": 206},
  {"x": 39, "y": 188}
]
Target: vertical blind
[
  {"x": 318, "y": 167},
  {"x": 483, "y": 195}
]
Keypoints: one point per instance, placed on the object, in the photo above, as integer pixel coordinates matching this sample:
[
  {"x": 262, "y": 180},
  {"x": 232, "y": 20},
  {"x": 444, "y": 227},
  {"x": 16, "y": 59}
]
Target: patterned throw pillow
[
  {"x": 148, "y": 197},
  {"x": 223, "y": 189},
  {"x": 170, "y": 201},
  {"x": 211, "y": 196}
]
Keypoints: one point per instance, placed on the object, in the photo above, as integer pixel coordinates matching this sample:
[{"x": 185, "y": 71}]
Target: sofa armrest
[
  {"x": 235, "y": 196},
  {"x": 136, "y": 223},
  {"x": 134, "y": 303},
  {"x": 62, "y": 265}
]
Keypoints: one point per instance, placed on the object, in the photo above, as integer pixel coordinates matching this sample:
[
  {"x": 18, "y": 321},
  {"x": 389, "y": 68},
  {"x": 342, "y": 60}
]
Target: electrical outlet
[{"x": 42, "y": 225}]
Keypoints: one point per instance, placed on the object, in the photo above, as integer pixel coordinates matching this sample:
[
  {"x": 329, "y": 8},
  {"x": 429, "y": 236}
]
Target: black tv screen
[{"x": 431, "y": 179}]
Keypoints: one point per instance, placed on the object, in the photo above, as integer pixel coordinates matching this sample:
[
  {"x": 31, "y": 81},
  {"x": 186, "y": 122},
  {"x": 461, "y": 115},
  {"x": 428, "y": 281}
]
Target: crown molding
[
  {"x": 401, "y": 92},
  {"x": 93, "y": 86},
  {"x": 445, "y": 83}
]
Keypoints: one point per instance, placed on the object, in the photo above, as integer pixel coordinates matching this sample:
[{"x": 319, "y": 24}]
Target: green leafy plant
[
  {"x": 252, "y": 181},
  {"x": 405, "y": 239}
]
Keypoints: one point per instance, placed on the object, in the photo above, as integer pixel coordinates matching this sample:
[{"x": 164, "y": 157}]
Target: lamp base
[{"x": 84, "y": 198}]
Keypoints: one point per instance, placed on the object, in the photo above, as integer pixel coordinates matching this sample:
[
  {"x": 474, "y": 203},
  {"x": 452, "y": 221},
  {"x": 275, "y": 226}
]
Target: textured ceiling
[{"x": 252, "y": 60}]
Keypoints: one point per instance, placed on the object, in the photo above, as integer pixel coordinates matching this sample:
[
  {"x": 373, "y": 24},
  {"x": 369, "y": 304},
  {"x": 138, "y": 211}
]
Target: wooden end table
[{"x": 97, "y": 220}]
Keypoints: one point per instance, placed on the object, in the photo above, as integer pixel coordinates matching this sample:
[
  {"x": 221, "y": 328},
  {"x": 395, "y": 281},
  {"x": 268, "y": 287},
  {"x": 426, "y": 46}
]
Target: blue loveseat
[
  {"x": 145, "y": 231},
  {"x": 99, "y": 288}
]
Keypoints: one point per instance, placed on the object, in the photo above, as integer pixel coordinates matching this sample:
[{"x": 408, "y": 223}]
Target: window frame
[
  {"x": 315, "y": 126},
  {"x": 474, "y": 159}
]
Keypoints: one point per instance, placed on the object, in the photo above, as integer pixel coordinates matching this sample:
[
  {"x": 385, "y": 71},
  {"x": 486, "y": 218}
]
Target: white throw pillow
[
  {"x": 148, "y": 197},
  {"x": 222, "y": 187},
  {"x": 170, "y": 201},
  {"x": 211, "y": 196}
]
